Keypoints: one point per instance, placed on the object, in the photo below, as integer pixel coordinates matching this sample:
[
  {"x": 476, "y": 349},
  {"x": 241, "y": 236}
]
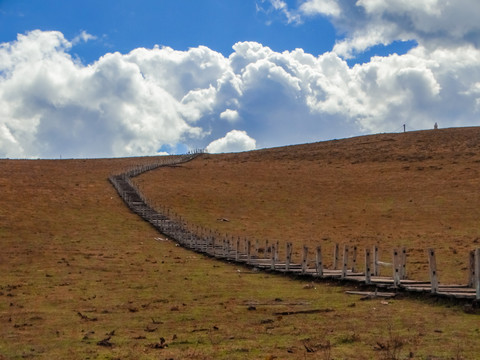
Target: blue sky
[
  {"x": 123, "y": 25},
  {"x": 123, "y": 78}
]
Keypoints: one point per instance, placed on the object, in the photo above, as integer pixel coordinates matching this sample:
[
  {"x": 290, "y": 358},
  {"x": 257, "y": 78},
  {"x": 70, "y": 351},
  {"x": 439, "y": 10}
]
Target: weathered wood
[
  {"x": 396, "y": 267},
  {"x": 471, "y": 269},
  {"x": 335, "y": 256},
  {"x": 277, "y": 247},
  {"x": 237, "y": 249},
  {"x": 272, "y": 257},
  {"x": 354, "y": 259},
  {"x": 433, "y": 270},
  {"x": 345, "y": 261},
  {"x": 376, "y": 270},
  {"x": 372, "y": 294},
  {"x": 304, "y": 259},
  {"x": 248, "y": 251},
  {"x": 477, "y": 273},
  {"x": 403, "y": 263},
  {"x": 368, "y": 275},
  {"x": 318, "y": 261},
  {"x": 288, "y": 257}
]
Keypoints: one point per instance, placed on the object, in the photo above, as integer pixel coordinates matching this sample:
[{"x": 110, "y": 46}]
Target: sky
[{"x": 118, "y": 78}]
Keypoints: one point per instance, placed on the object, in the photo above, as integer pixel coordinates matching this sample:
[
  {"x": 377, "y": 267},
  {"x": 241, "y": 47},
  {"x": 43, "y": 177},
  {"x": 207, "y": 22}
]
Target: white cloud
[
  {"x": 83, "y": 37},
  {"x": 155, "y": 99},
  {"x": 366, "y": 23},
  {"x": 230, "y": 115},
  {"x": 234, "y": 141}
]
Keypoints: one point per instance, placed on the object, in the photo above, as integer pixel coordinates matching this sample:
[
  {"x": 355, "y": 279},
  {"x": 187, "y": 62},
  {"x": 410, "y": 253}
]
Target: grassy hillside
[
  {"x": 417, "y": 190},
  {"x": 84, "y": 278}
]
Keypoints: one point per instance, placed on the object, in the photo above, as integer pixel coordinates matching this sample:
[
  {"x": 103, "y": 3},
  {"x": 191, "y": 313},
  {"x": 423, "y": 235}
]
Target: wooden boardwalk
[{"x": 244, "y": 252}]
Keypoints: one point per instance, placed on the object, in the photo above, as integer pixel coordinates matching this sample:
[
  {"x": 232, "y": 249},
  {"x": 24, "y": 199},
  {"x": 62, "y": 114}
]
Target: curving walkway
[{"x": 243, "y": 251}]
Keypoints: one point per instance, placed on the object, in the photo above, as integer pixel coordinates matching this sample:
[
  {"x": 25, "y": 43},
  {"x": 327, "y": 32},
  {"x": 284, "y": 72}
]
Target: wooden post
[
  {"x": 368, "y": 275},
  {"x": 227, "y": 247},
  {"x": 265, "y": 252},
  {"x": 276, "y": 251},
  {"x": 433, "y": 270},
  {"x": 304, "y": 259},
  {"x": 237, "y": 249},
  {"x": 248, "y": 251},
  {"x": 288, "y": 258},
  {"x": 213, "y": 244},
  {"x": 403, "y": 264},
  {"x": 396, "y": 268},
  {"x": 318, "y": 261},
  {"x": 354, "y": 259},
  {"x": 376, "y": 271},
  {"x": 256, "y": 249},
  {"x": 272, "y": 257},
  {"x": 335, "y": 257},
  {"x": 471, "y": 272},
  {"x": 477, "y": 273},
  {"x": 345, "y": 261}
]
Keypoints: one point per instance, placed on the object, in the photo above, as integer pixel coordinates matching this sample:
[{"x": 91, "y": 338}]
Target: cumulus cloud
[
  {"x": 234, "y": 141},
  {"x": 230, "y": 115},
  {"x": 152, "y": 100},
  {"x": 366, "y": 23}
]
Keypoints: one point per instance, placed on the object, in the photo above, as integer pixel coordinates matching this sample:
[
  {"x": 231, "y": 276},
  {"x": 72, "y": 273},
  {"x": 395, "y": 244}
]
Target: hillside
[
  {"x": 82, "y": 277},
  {"x": 416, "y": 189}
]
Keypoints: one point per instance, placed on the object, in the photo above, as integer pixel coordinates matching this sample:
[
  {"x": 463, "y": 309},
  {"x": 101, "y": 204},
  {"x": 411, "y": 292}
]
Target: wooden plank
[{"x": 372, "y": 293}]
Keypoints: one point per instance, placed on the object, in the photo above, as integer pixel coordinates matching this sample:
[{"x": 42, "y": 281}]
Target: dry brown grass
[
  {"x": 417, "y": 190},
  {"x": 79, "y": 272}
]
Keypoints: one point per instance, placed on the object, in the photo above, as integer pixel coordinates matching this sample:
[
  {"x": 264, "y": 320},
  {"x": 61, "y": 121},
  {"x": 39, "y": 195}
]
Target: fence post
[
  {"x": 354, "y": 259},
  {"x": 471, "y": 272},
  {"x": 288, "y": 258},
  {"x": 396, "y": 268},
  {"x": 477, "y": 273},
  {"x": 433, "y": 270},
  {"x": 248, "y": 251},
  {"x": 318, "y": 261},
  {"x": 265, "y": 252},
  {"x": 276, "y": 251},
  {"x": 237, "y": 249},
  {"x": 376, "y": 271},
  {"x": 272, "y": 257},
  {"x": 368, "y": 275},
  {"x": 335, "y": 257},
  {"x": 345, "y": 261},
  {"x": 304, "y": 259},
  {"x": 256, "y": 249},
  {"x": 403, "y": 264}
]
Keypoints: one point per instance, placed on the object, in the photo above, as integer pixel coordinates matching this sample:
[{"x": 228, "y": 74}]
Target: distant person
[{"x": 435, "y": 127}]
